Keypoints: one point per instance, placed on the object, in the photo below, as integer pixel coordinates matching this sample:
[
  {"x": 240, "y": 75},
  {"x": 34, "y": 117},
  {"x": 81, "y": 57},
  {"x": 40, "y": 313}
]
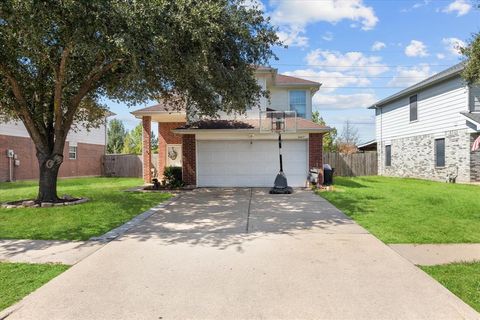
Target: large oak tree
[{"x": 59, "y": 58}]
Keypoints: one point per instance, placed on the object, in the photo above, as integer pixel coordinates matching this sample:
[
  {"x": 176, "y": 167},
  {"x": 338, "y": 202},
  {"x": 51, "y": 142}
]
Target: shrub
[{"x": 172, "y": 177}]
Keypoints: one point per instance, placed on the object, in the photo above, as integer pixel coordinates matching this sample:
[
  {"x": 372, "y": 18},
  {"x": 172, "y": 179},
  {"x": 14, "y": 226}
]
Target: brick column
[
  {"x": 315, "y": 153},
  {"x": 162, "y": 150},
  {"x": 147, "y": 148},
  {"x": 189, "y": 166},
  {"x": 165, "y": 137}
]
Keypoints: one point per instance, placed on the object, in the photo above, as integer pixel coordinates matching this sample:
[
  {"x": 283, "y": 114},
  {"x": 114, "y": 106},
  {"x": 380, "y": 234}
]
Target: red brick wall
[
  {"x": 189, "y": 166},
  {"x": 146, "y": 150},
  {"x": 166, "y": 136},
  {"x": 88, "y": 162},
  {"x": 315, "y": 152}
]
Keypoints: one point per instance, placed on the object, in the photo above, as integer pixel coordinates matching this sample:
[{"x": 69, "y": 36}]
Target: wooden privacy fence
[
  {"x": 351, "y": 165},
  {"x": 125, "y": 165}
]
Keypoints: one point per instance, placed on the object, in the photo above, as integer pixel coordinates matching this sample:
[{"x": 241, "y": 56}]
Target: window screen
[
  {"x": 388, "y": 156},
  {"x": 413, "y": 108},
  {"x": 440, "y": 152}
]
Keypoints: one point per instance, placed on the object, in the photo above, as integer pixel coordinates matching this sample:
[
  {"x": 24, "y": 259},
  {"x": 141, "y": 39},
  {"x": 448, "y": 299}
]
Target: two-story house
[
  {"x": 235, "y": 151},
  {"x": 82, "y": 153},
  {"x": 427, "y": 130}
]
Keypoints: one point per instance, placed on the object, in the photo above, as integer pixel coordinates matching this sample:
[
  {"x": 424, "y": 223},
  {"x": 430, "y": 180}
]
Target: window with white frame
[
  {"x": 298, "y": 102},
  {"x": 72, "y": 152}
]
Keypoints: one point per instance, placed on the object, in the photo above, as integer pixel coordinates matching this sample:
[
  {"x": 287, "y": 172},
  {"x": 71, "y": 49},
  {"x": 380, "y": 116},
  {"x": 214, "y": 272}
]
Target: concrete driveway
[{"x": 244, "y": 254}]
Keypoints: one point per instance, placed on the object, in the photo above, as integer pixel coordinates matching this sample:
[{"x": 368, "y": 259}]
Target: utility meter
[{"x": 10, "y": 153}]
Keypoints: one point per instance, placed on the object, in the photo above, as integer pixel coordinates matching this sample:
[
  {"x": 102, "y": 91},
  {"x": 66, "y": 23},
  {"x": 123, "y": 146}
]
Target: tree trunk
[{"x": 49, "y": 166}]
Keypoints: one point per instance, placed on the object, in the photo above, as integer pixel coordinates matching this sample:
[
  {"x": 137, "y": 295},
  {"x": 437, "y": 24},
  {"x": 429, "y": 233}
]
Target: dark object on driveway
[
  {"x": 280, "y": 186},
  {"x": 328, "y": 175}
]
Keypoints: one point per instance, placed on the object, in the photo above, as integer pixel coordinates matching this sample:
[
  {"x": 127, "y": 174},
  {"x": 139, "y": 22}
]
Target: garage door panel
[{"x": 245, "y": 163}]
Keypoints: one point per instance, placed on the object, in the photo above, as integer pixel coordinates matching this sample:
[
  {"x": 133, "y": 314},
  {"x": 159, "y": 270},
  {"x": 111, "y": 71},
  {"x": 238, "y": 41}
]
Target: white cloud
[
  {"x": 253, "y": 4},
  {"x": 378, "y": 45},
  {"x": 354, "y": 62},
  {"x": 293, "y": 37},
  {"x": 440, "y": 56},
  {"x": 417, "y": 5},
  {"x": 297, "y": 14},
  {"x": 409, "y": 76},
  {"x": 453, "y": 45},
  {"x": 416, "y": 49},
  {"x": 353, "y": 101},
  {"x": 460, "y": 7},
  {"x": 330, "y": 80},
  {"x": 328, "y": 36}
]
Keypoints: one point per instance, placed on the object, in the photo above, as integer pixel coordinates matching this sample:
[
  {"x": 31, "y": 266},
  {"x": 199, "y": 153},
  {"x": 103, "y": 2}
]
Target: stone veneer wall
[
  {"x": 414, "y": 157},
  {"x": 474, "y": 161}
]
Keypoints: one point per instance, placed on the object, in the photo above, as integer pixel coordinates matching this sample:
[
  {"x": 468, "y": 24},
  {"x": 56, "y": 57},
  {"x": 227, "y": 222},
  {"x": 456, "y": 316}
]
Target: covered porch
[{"x": 170, "y": 151}]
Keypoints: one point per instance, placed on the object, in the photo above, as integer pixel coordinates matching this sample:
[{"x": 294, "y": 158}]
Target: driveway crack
[{"x": 248, "y": 212}]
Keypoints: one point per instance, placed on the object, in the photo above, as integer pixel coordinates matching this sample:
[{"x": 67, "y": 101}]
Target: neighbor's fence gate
[
  {"x": 125, "y": 165},
  {"x": 351, "y": 165}
]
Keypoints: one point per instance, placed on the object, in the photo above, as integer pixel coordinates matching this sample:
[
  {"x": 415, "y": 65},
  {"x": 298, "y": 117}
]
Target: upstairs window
[
  {"x": 388, "y": 156},
  {"x": 72, "y": 153},
  {"x": 440, "y": 152},
  {"x": 298, "y": 102},
  {"x": 413, "y": 108}
]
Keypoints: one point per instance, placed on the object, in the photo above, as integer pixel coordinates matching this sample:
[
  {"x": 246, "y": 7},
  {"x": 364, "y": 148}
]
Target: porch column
[
  {"x": 315, "y": 153},
  {"x": 147, "y": 148},
  {"x": 162, "y": 149}
]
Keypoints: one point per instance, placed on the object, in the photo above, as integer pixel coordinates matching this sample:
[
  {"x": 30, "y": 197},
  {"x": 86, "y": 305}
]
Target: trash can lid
[{"x": 326, "y": 166}]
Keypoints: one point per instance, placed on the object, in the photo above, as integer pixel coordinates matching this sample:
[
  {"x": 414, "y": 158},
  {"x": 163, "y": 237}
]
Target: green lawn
[
  {"x": 108, "y": 208},
  {"x": 463, "y": 279},
  {"x": 409, "y": 210},
  {"x": 19, "y": 279}
]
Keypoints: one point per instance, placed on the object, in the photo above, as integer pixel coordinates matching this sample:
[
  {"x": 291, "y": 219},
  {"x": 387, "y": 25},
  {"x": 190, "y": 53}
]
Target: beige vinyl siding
[
  {"x": 475, "y": 98},
  {"x": 439, "y": 110}
]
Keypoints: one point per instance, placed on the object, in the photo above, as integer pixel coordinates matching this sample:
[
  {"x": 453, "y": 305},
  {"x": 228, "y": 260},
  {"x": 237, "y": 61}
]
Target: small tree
[
  {"x": 116, "y": 136},
  {"x": 133, "y": 141},
  {"x": 348, "y": 140},
  {"x": 58, "y": 59},
  {"x": 329, "y": 139}
]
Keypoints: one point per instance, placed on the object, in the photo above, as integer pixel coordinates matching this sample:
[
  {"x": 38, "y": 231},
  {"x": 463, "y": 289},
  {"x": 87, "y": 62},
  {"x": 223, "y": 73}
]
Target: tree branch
[
  {"x": 59, "y": 79},
  {"x": 85, "y": 88},
  {"x": 23, "y": 111}
]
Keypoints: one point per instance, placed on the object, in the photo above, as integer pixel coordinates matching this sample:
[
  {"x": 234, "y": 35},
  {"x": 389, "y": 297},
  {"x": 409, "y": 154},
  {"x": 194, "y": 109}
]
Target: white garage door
[{"x": 245, "y": 164}]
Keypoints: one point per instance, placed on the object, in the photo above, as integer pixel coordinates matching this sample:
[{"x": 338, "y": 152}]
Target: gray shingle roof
[
  {"x": 441, "y": 76},
  {"x": 475, "y": 117}
]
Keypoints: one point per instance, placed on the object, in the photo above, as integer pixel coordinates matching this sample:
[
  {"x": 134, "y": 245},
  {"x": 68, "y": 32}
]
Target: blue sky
[{"x": 362, "y": 51}]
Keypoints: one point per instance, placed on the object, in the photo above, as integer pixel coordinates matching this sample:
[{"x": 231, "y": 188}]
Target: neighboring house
[
  {"x": 82, "y": 154},
  {"x": 367, "y": 146},
  {"x": 427, "y": 130},
  {"x": 233, "y": 151}
]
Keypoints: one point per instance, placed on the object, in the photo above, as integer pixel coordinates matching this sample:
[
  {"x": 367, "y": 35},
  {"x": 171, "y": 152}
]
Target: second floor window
[
  {"x": 298, "y": 102},
  {"x": 413, "y": 108}
]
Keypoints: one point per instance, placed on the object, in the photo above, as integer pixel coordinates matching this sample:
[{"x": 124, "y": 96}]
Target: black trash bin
[{"x": 327, "y": 175}]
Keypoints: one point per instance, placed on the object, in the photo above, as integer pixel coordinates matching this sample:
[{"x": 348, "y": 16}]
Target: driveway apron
[{"x": 244, "y": 254}]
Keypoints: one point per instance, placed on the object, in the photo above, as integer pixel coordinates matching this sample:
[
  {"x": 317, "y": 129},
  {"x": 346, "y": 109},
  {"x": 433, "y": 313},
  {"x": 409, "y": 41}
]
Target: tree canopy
[
  {"x": 330, "y": 138},
  {"x": 472, "y": 69},
  {"x": 58, "y": 59}
]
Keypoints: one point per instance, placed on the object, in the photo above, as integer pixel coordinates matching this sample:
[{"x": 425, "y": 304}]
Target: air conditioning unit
[{"x": 10, "y": 153}]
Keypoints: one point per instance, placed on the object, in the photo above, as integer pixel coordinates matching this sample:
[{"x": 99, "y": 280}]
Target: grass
[
  {"x": 19, "y": 279},
  {"x": 410, "y": 211},
  {"x": 463, "y": 279},
  {"x": 108, "y": 208}
]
